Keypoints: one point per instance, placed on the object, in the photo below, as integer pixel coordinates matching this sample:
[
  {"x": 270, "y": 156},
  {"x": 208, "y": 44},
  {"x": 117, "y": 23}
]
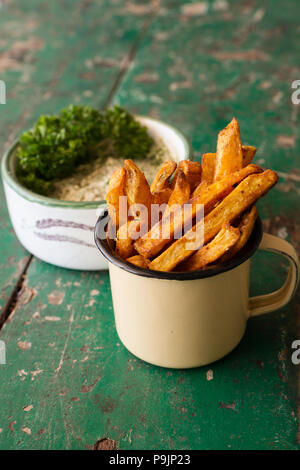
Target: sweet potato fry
[
  {"x": 161, "y": 180},
  {"x": 208, "y": 163},
  {"x": 152, "y": 242},
  {"x": 179, "y": 196},
  {"x": 162, "y": 196},
  {"x": 116, "y": 188},
  {"x": 227, "y": 237},
  {"x": 200, "y": 189},
  {"x": 139, "y": 261},
  {"x": 245, "y": 226},
  {"x": 192, "y": 171},
  {"x": 248, "y": 153},
  {"x": 242, "y": 197},
  {"x": 136, "y": 187},
  {"x": 229, "y": 157},
  {"x": 124, "y": 241},
  {"x": 182, "y": 190},
  {"x": 209, "y": 160}
]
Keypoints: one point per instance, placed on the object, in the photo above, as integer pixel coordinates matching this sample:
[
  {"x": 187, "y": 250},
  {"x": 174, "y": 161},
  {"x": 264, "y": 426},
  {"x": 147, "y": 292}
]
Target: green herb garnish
[{"x": 56, "y": 145}]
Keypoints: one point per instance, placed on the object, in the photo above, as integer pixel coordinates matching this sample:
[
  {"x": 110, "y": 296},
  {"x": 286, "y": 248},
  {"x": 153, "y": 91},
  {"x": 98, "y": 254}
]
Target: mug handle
[{"x": 277, "y": 299}]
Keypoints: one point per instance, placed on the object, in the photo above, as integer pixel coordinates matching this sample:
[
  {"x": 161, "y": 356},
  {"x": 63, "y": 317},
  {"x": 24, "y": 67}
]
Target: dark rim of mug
[{"x": 246, "y": 253}]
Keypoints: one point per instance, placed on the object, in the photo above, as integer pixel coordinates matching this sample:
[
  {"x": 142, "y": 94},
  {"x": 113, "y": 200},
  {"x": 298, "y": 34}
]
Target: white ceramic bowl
[{"x": 61, "y": 232}]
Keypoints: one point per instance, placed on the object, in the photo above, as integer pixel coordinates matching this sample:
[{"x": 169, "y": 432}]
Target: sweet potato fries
[{"x": 164, "y": 230}]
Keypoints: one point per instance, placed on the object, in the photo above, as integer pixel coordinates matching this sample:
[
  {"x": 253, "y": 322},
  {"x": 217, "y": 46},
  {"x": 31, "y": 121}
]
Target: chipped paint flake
[
  {"x": 209, "y": 375},
  {"x": 26, "y": 430},
  {"x": 52, "y": 318},
  {"x": 228, "y": 406},
  {"x": 56, "y": 298},
  {"x": 24, "y": 345},
  {"x": 94, "y": 292},
  {"x": 258, "y": 15},
  {"x": 194, "y": 9},
  {"x": 286, "y": 141},
  {"x": 34, "y": 373},
  {"x": 28, "y": 408},
  {"x": 282, "y": 232},
  {"x": 88, "y": 388},
  {"x": 11, "y": 425},
  {"x": 220, "y": 5}
]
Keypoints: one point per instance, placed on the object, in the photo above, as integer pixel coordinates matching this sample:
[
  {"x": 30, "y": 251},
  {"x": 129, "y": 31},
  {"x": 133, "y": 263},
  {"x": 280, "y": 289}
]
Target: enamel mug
[{"x": 190, "y": 319}]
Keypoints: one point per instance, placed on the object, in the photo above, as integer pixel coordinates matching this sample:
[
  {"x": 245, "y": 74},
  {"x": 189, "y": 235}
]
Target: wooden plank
[{"x": 64, "y": 357}]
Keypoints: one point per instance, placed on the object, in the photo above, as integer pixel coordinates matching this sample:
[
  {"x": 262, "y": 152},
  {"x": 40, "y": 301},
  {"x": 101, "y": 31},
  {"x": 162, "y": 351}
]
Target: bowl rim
[
  {"x": 247, "y": 251},
  {"x": 31, "y": 196}
]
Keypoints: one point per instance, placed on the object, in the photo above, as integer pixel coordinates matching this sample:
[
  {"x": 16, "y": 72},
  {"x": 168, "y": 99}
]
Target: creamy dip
[{"x": 90, "y": 180}]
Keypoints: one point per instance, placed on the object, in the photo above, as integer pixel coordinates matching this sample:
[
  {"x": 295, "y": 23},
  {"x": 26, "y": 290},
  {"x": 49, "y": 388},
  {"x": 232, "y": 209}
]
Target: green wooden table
[{"x": 68, "y": 381}]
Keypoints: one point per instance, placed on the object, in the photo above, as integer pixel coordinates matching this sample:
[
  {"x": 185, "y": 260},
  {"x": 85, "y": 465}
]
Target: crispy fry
[
  {"x": 200, "y": 189},
  {"x": 192, "y": 171},
  {"x": 116, "y": 188},
  {"x": 137, "y": 188},
  {"x": 161, "y": 180},
  {"x": 229, "y": 157},
  {"x": 138, "y": 192},
  {"x": 139, "y": 261},
  {"x": 124, "y": 241},
  {"x": 209, "y": 161},
  {"x": 208, "y": 167},
  {"x": 248, "y": 153},
  {"x": 182, "y": 190},
  {"x": 226, "y": 238},
  {"x": 245, "y": 226},
  {"x": 179, "y": 196},
  {"x": 243, "y": 196},
  {"x": 162, "y": 196},
  {"x": 152, "y": 242}
]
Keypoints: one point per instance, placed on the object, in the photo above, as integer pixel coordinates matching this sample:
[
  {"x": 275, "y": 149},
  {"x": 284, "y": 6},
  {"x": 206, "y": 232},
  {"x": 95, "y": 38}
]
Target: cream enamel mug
[
  {"x": 184, "y": 320},
  {"x": 61, "y": 232}
]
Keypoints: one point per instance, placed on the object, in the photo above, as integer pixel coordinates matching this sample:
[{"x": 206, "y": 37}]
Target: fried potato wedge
[
  {"x": 125, "y": 241},
  {"x": 162, "y": 178},
  {"x": 136, "y": 187},
  {"x": 139, "y": 261},
  {"x": 248, "y": 153},
  {"x": 200, "y": 189},
  {"x": 182, "y": 190},
  {"x": 226, "y": 238},
  {"x": 152, "y": 243},
  {"x": 162, "y": 196},
  {"x": 138, "y": 192},
  {"x": 242, "y": 197},
  {"x": 192, "y": 171},
  {"x": 179, "y": 196},
  {"x": 229, "y": 157},
  {"x": 245, "y": 226},
  {"x": 116, "y": 188},
  {"x": 208, "y": 163}
]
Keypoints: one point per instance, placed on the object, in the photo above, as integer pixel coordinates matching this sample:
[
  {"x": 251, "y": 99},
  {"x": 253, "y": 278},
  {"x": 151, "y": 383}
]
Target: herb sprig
[{"x": 56, "y": 145}]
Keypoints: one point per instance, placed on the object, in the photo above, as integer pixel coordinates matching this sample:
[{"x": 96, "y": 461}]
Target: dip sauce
[{"x": 90, "y": 180}]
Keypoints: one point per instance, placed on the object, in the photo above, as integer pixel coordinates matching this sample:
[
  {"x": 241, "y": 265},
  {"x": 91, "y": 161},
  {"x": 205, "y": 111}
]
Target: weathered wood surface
[{"x": 68, "y": 381}]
